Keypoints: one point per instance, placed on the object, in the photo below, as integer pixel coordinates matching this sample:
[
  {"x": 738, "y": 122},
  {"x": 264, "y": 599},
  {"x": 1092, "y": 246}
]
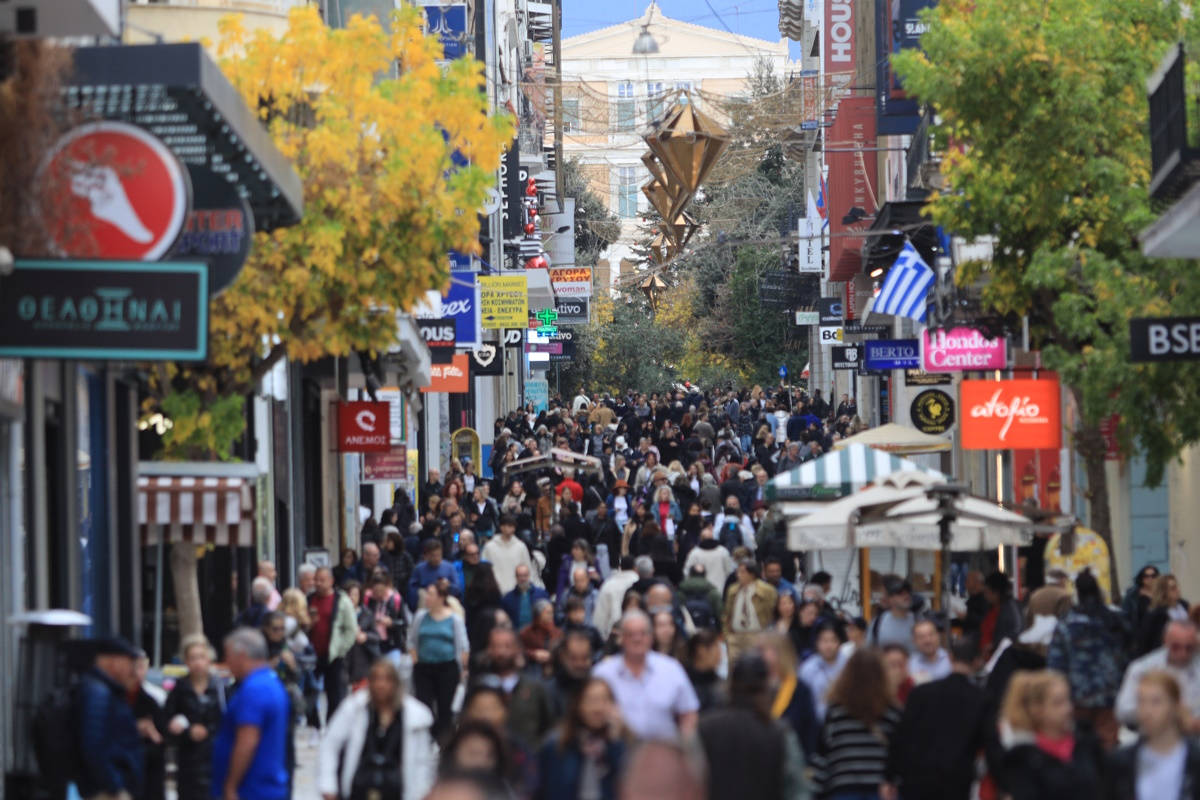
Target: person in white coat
[
  {"x": 505, "y": 553},
  {"x": 612, "y": 593},
  {"x": 713, "y": 556},
  {"x": 390, "y": 729}
]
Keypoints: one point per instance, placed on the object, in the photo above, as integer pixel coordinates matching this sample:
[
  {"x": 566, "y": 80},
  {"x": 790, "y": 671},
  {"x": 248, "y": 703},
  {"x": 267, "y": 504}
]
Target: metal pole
[{"x": 160, "y": 555}]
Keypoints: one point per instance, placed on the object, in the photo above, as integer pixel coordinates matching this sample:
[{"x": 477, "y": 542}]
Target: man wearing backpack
[
  {"x": 701, "y": 599},
  {"x": 111, "y": 763}
]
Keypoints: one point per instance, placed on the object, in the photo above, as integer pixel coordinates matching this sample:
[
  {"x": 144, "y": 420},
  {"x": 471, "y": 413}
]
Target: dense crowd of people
[{"x": 640, "y": 628}]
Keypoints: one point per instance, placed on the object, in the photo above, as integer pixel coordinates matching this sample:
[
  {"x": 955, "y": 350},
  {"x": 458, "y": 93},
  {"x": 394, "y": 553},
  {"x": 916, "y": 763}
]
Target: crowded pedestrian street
[{"x": 552, "y": 400}]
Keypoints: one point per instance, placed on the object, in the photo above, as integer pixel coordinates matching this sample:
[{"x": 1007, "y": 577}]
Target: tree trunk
[
  {"x": 187, "y": 589},
  {"x": 1093, "y": 449}
]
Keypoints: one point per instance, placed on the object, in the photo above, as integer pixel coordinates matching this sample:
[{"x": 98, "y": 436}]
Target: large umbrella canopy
[
  {"x": 897, "y": 439},
  {"x": 840, "y": 473},
  {"x": 899, "y": 511}
]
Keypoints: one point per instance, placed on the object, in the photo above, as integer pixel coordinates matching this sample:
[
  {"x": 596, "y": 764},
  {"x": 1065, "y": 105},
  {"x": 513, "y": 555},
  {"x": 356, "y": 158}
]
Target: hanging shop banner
[
  {"x": 849, "y": 357},
  {"x": 1170, "y": 339},
  {"x": 932, "y": 411},
  {"x": 219, "y": 229},
  {"x": 898, "y": 28},
  {"x": 1011, "y": 415},
  {"x": 573, "y": 310},
  {"x": 452, "y": 378},
  {"x": 829, "y": 335},
  {"x": 123, "y": 193},
  {"x": 553, "y": 348},
  {"x": 915, "y": 377},
  {"x": 831, "y": 310},
  {"x": 389, "y": 467},
  {"x": 808, "y": 317},
  {"x": 571, "y": 281},
  {"x": 503, "y": 301},
  {"x": 487, "y": 361},
  {"x": 512, "y": 203},
  {"x": 440, "y": 335},
  {"x": 461, "y": 301},
  {"x": 892, "y": 353},
  {"x": 514, "y": 337},
  {"x": 838, "y": 41},
  {"x": 960, "y": 349},
  {"x": 364, "y": 426},
  {"x": 853, "y": 175},
  {"x": 449, "y": 24},
  {"x": 105, "y": 310},
  {"x": 537, "y": 392}
]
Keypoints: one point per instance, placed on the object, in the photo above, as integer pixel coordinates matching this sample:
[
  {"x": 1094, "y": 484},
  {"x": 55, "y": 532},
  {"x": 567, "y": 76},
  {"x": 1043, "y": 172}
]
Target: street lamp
[{"x": 645, "y": 44}]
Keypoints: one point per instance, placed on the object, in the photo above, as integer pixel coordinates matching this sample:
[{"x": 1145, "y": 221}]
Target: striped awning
[
  {"x": 217, "y": 511},
  {"x": 839, "y": 473}
]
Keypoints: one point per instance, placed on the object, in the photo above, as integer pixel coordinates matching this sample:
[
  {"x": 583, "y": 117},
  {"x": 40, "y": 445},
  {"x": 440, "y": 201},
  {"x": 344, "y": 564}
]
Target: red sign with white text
[
  {"x": 364, "y": 427},
  {"x": 452, "y": 378},
  {"x": 850, "y": 154},
  {"x": 121, "y": 193},
  {"x": 1011, "y": 415},
  {"x": 838, "y": 40}
]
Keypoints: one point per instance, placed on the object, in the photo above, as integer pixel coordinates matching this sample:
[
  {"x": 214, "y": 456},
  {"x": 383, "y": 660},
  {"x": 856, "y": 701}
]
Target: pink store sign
[{"x": 960, "y": 349}]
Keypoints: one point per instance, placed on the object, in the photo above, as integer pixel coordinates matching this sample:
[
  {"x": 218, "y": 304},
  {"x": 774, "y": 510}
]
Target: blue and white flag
[{"x": 907, "y": 284}]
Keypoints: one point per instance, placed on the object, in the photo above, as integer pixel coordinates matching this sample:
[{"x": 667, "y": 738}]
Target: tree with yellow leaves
[{"x": 371, "y": 122}]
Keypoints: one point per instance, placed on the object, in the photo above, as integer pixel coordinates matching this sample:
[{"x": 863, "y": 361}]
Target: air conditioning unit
[{"x": 527, "y": 52}]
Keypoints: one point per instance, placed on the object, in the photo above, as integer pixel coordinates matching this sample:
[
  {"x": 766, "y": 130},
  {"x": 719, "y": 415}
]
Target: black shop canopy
[{"x": 178, "y": 93}]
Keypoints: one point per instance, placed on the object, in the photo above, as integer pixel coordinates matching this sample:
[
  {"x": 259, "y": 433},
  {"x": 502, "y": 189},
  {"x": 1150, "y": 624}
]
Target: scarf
[
  {"x": 1062, "y": 749},
  {"x": 783, "y": 698}
]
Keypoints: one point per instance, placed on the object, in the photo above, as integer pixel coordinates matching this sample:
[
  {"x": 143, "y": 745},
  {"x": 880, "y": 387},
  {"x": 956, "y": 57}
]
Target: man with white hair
[
  {"x": 306, "y": 578},
  {"x": 260, "y": 596},
  {"x": 249, "y": 751},
  {"x": 652, "y": 690}
]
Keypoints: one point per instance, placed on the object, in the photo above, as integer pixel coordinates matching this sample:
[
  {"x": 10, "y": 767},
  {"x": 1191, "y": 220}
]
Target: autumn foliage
[{"x": 371, "y": 123}]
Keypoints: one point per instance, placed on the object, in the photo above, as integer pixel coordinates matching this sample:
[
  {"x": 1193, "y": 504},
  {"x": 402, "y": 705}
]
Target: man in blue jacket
[
  {"x": 112, "y": 763},
  {"x": 432, "y": 569},
  {"x": 518, "y": 603}
]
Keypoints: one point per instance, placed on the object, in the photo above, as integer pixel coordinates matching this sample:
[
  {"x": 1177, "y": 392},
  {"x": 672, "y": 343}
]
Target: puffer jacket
[
  {"x": 112, "y": 759},
  {"x": 194, "y": 759}
]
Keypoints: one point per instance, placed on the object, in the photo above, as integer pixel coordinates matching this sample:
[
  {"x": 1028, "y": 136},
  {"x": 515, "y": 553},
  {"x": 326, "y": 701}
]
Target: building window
[
  {"x": 654, "y": 101},
  {"x": 627, "y": 192},
  {"x": 626, "y": 111},
  {"x": 570, "y": 115},
  {"x": 683, "y": 86}
]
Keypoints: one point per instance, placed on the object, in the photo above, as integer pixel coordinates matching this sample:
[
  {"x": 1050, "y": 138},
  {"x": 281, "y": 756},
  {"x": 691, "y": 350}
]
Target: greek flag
[{"x": 907, "y": 284}]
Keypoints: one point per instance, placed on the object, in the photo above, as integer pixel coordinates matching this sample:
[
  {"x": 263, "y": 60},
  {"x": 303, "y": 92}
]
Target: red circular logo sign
[{"x": 118, "y": 193}]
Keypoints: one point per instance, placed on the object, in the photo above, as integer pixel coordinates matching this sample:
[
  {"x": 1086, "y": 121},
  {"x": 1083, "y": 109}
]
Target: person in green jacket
[{"x": 696, "y": 592}]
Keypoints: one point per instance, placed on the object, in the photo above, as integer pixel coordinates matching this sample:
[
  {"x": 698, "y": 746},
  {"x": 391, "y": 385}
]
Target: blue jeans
[{"x": 746, "y": 441}]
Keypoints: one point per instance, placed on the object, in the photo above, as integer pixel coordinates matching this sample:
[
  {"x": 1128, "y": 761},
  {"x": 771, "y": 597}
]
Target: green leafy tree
[{"x": 1043, "y": 117}]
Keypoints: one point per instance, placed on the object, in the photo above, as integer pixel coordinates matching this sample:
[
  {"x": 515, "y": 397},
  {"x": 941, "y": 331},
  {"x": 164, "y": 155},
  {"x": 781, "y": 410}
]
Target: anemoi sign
[
  {"x": 364, "y": 427},
  {"x": 1011, "y": 415},
  {"x": 960, "y": 349},
  {"x": 105, "y": 310}
]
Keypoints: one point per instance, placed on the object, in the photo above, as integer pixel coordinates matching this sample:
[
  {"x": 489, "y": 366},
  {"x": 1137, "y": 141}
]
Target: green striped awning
[{"x": 839, "y": 473}]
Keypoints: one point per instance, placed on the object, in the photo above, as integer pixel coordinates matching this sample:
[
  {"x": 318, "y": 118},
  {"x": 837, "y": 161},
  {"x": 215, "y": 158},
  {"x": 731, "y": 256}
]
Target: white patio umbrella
[{"x": 834, "y": 526}]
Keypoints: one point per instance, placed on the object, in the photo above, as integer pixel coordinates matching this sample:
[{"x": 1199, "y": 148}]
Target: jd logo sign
[
  {"x": 364, "y": 427},
  {"x": 514, "y": 337}
]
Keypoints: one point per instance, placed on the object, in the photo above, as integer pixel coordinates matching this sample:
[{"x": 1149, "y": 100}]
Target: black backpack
[
  {"x": 700, "y": 611},
  {"x": 55, "y": 736}
]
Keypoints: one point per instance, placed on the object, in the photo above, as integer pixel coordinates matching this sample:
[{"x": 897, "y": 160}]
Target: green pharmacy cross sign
[{"x": 547, "y": 316}]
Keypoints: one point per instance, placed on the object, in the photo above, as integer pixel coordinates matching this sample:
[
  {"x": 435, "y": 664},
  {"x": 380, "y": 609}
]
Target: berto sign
[
  {"x": 892, "y": 354},
  {"x": 1011, "y": 415},
  {"x": 960, "y": 349},
  {"x": 364, "y": 427}
]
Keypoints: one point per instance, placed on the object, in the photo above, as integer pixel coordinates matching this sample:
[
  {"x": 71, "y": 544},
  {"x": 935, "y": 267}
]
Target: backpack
[
  {"x": 700, "y": 611},
  {"x": 54, "y": 734},
  {"x": 730, "y": 535}
]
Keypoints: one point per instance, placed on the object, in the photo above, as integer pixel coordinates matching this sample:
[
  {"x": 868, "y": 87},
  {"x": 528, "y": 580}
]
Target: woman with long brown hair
[
  {"x": 851, "y": 758},
  {"x": 583, "y": 758},
  {"x": 1166, "y": 605}
]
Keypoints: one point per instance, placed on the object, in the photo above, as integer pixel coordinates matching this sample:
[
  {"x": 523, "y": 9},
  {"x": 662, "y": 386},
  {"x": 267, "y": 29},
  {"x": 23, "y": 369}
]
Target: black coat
[
  {"x": 1027, "y": 772},
  {"x": 195, "y": 758},
  {"x": 1121, "y": 779},
  {"x": 146, "y": 707},
  {"x": 746, "y": 754},
  {"x": 942, "y": 730}
]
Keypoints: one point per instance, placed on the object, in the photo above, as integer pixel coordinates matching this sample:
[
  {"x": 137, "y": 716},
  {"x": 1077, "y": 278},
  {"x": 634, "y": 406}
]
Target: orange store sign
[
  {"x": 452, "y": 378},
  {"x": 1011, "y": 415}
]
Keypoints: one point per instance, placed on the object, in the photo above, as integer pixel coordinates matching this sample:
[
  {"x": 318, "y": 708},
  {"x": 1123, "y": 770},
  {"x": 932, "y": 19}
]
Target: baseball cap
[{"x": 117, "y": 646}]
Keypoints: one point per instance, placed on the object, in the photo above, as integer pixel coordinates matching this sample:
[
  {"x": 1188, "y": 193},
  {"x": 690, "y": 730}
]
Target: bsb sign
[
  {"x": 1011, "y": 415},
  {"x": 118, "y": 310},
  {"x": 1169, "y": 339},
  {"x": 364, "y": 427}
]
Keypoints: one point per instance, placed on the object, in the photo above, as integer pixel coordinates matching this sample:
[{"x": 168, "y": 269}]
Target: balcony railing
[{"x": 1174, "y": 159}]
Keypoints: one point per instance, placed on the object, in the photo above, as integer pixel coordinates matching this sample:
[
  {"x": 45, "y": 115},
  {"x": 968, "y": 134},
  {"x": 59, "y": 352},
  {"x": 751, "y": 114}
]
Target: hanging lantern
[
  {"x": 531, "y": 188},
  {"x": 537, "y": 262},
  {"x": 688, "y": 144},
  {"x": 530, "y": 228},
  {"x": 664, "y": 197},
  {"x": 683, "y": 229},
  {"x": 651, "y": 287}
]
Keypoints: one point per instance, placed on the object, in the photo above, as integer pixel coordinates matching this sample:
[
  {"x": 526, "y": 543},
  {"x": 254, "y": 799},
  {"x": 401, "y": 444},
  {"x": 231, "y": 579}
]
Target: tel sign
[{"x": 118, "y": 193}]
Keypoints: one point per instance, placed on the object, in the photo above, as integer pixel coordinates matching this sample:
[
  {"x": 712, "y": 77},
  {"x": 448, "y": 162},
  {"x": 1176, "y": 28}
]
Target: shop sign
[
  {"x": 364, "y": 426},
  {"x": 537, "y": 392},
  {"x": 808, "y": 317},
  {"x": 553, "y": 348},
  {"x": 461, "y": 301},
  {"x": 487, "y": 361},
  {"x": 388, "y": 467},
  {"x": 440, "y": 335},
  {"x": 892, "y": 354},
  {"x": 960, "y": 349},
  {"x": 830, "y": 335},
  {"x": 856, "y": 328},
  {"x": 571, "y": 281},
  {"x": 932, "y": 411},
  {"x": 915, "y": 377},
  {"x": 503, "y": 301},
  {"x": 846, "y": 358},
  {"x": 513, "y": 181},
  {"x": 838, "y": 40},
  {"x": 831, "y": 310},
  {"x": 449, "y": 24},
  {"x": 514, "y": 337},
  {"x": 1011, "y": 415},
  {"x": 124, "y": 194},
  {"x": 452, "y": 378},
  {"x": 1170, "y": 339},
  {"x": 219, "y": 229},
  {"x": 567, "y": 354},
  {"x": 114, "y": 310},
  {"x": 573, "y": 311}
]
